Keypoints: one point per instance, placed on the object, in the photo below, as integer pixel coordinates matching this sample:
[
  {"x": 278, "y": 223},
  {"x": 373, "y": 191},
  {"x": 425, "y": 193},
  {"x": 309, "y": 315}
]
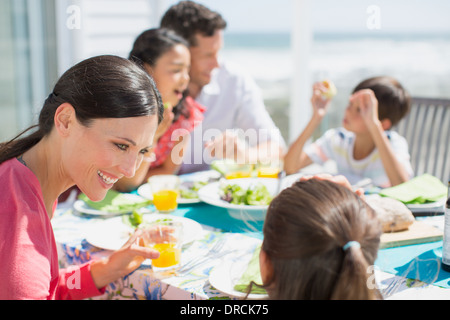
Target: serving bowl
[{"x": 211, "y": 194}]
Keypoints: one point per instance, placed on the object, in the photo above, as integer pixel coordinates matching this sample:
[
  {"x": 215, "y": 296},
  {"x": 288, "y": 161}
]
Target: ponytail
[
  {"x": 16, "y": 146},
  {"x": 307, "y": 233},
  {"x": 352, "y": 282}
]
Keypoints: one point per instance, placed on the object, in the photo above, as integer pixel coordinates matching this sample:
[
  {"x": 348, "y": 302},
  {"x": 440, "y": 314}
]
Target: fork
[{"x": 213, "y": 253}]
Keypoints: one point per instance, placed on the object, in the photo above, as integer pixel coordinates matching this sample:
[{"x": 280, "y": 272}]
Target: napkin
[
  {"x": 252, "y": 273},
  {"x": 116, "y": 202},
  {"x": 419, "y": 190}
]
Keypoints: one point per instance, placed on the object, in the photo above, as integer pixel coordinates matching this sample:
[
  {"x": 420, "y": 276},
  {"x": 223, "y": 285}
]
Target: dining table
[{"x": 406, "y": 272}]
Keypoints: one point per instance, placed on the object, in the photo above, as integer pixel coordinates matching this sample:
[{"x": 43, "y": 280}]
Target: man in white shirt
[{"x": 236, "y": 124}]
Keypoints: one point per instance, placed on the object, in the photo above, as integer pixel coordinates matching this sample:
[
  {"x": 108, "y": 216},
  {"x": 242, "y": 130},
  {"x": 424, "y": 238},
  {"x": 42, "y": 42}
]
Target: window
[{"x": 27, "y": 62}]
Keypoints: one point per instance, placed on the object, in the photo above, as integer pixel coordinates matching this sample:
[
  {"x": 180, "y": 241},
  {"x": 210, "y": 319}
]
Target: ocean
[{"x": 420, "y": 62}]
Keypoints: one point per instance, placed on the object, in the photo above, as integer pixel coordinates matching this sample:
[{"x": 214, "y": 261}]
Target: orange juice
[
  {"x": 268, "y": 172},
  {"x": 165, "y": 200},
  {"x": 238, "y": 174},
  {"x": 169, "y": 255}
]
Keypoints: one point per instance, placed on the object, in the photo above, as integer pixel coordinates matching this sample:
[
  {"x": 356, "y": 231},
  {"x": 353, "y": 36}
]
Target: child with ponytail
[{"x": 320, "y": 238}]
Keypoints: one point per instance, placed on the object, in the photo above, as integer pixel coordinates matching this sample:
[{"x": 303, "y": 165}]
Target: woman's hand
[{"x": 123, "y": 261}]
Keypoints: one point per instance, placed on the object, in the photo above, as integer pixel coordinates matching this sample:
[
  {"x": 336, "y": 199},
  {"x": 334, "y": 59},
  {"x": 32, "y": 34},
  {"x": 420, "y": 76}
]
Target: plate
[
  {"x": 224, "y": 276},
  {"x": 146, "y": 192},
  {"x": 427, "y": 207},
  {"x": 211, "y": 195},
  {"x": 82, "y": 207},
  {"x": 112, "y": 234}
]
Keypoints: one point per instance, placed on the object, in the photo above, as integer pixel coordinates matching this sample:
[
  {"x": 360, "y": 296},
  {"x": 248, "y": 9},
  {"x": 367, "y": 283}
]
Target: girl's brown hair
[{"x": 306, "y": 228}]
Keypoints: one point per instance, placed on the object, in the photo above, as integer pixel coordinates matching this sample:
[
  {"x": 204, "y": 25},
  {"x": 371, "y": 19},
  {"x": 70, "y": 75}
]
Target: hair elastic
[{"x": 351, "y": 244}]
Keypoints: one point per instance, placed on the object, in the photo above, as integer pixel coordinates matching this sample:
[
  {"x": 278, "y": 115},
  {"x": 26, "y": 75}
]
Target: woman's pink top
[{"x": 28, "y": 256}]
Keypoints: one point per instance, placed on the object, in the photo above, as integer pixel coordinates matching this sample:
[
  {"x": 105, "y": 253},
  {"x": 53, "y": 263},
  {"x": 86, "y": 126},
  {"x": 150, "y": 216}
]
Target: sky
[{"x": 423, "y": 16}]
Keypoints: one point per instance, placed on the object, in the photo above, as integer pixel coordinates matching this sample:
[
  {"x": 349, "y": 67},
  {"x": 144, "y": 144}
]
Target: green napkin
[
  {"x": 419, "y": 190},
  {"x": 252, "y": 273},
  {"x": 116, "y": 202}
]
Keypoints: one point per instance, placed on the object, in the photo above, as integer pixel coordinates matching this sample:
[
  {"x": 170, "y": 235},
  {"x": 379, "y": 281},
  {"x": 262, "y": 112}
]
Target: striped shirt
[{"x": 338, "y": 144}]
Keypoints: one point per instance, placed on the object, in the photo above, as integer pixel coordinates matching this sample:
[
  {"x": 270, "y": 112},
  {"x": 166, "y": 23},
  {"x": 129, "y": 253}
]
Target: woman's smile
[{"x": 107, "y": 179}]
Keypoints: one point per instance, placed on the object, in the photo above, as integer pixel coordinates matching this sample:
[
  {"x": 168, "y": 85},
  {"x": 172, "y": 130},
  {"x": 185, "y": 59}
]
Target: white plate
[
  {"x": 425, "y": 207},
  {"x": 224, "y": 276},
  {"x": 82, "y": 206},
  {"x": 146, "y": 192},
  {"x": 112, "y": 234},
  {"x": 211, "y": 195}
]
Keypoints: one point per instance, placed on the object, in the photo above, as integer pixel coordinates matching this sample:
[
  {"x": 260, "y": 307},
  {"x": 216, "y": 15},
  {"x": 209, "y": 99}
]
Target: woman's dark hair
[
  {"x": 394, "y": 102},
  {"x": 149, "y": 46},
  {"x": 188, "y": 18},
  {"x": 100, "y": 87},
  {"x": 306, "y": 228}
]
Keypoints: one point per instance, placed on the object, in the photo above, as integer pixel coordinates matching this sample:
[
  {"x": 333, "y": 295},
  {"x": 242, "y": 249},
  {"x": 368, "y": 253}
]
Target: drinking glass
[
  {"x": 165, "y": 189},
  {"x": 167, "y": 238}
]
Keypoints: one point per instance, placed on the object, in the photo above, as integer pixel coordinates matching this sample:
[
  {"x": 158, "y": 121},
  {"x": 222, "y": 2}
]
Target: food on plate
[
  {"x": 189, "y": 189},
  {"x": 393, "y": 214},
  {"x": 255, "y": 195},
  {"x": 134, "y": 220},
  {"x": 331, "y": 92}
]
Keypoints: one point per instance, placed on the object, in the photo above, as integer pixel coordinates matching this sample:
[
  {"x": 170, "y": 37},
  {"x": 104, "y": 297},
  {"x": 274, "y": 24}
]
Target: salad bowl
[{"x": 245, "y": 199}]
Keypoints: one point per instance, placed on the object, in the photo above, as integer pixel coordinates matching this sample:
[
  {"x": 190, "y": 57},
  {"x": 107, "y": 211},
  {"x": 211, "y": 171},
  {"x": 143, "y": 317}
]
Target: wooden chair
[{"x": 427, "y": 129}]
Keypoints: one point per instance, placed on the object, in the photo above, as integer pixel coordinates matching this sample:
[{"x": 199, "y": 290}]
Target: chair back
[{"x": 427, "y": 129}]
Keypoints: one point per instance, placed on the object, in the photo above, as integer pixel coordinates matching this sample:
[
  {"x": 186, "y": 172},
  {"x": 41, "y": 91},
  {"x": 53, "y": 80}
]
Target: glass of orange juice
[
  {"x": 237, "y": 171},
  {"x": 268, "y": 170},
  {"x": 165, "y": 189},
  {"x": 167, "y": 238}
]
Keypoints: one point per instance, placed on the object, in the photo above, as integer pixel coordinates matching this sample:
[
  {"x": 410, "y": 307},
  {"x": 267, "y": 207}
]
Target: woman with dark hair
[
  {"x": 95, "y": 128},
  {"x": 165, "y": 56},
  {"x": 320, "y": 238}
]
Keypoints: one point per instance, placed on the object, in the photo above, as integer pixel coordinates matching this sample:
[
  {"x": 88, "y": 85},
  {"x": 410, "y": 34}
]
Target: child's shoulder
[
  {"x": 395, "y": 138},
  {"x": 338, "y": 133}
]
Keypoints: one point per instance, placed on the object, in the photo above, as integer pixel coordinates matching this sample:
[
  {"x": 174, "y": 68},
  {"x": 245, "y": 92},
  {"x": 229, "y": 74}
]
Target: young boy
[{"x": 364, "y": 147}]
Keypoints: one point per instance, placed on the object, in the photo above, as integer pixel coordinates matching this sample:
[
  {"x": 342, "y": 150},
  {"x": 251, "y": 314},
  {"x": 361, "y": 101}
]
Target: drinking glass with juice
[
  {"x": 165, "y": 200},
  {"x": 238, "y": 171},
  {"x": 269, "y": 170},
  {"x": 165, "y": 192},
  {"x": 166, "y": 238}
]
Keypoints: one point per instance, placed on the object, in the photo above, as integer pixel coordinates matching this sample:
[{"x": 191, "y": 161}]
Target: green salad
[
  {"x": 189, "y": 189},
  {"x": 255, "y": 195}
]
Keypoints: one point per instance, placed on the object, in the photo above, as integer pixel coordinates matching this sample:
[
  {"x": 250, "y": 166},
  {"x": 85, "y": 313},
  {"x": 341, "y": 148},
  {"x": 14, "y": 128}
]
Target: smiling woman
[{"x": 94, "y": 128}]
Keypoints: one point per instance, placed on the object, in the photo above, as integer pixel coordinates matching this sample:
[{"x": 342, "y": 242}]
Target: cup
[
  {"x": 165, "y": 189},
  {"x": 237, "y": 171},
  {"x": 269, "y": 170},
  {"x": 167, "y": 238}
]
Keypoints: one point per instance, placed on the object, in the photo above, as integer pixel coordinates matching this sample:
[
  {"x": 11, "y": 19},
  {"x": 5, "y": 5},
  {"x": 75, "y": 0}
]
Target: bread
[
  {"x": 332, "y": 91},
  {"x": 393, "y": 214}
]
